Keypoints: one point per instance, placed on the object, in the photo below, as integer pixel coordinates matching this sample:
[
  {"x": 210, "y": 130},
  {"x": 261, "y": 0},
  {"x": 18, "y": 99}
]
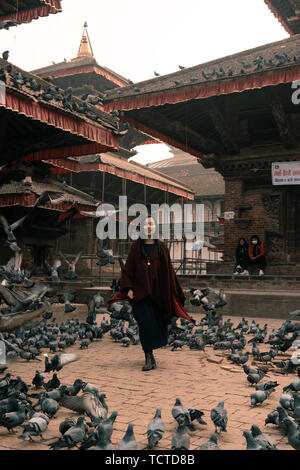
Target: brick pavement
[{"x": 185, "y": 373}]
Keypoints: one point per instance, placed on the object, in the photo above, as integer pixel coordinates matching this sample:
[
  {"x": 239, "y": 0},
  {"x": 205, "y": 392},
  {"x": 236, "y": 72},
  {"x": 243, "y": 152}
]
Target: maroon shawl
[{"x": 160, "y": 283}]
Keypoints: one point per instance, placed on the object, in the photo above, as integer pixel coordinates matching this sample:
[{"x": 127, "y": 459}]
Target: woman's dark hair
[
  {"x": 245, "y": 241},
  {"x": 157, "y": 243},
  {"x": 256, "y": 237}
]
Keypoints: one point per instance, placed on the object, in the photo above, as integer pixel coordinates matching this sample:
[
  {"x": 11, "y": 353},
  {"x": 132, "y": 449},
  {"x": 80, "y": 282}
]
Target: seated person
[
  {"x": 257, "y": 254},
  {"x": 242, "y": 258}
]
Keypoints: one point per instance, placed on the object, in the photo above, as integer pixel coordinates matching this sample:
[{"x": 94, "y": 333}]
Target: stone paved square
[{"x": 186, "y": 373}]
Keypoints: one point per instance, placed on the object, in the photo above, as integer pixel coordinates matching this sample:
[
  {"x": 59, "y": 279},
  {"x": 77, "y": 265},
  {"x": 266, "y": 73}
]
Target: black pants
[
  {"x": 243, "y": 262},
  {"x": 260, "y": 262},
  {"x": 152, "y": 329}
]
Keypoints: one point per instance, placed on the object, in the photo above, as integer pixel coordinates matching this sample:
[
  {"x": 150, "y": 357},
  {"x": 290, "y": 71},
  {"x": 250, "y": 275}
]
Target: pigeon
[
  {"x": 75, "y": 388},
  {"x": 211, "y": 444},
  {"x": 36, "y": 426},
  {"x": 255, "y": 378},
  {"x": 5, "y": 55},
  {"x": 282, "y": 416},
  {"x": 293, "y": 433},
  {"x": 52, "y": 384},
  {"x": 87, "y": 403},
  {"x": 48, "y": 405},
  {"x": 38, "y": 379},
  {"x": 14, "y": 418},
  {"x": 128, "y": 442},
  {"x": 264, "y": 441},
  {"x": 67, "y": 298},
  {"x": 88, "y": 387},
  {"x": 181, "y": 413},
  {"x": 286, "y": 401},
  {"x": 59, "y": 361},
  {"x": 181, "y": 439},
  {"x": 155, "y": 430},
  {"x": 251, "y": 443},
  {"x": 259, "y": 396},
  {"x": 296, "y": 410},
  {"x": 266, "y": 385},
  {"x": 106, "y": 425},
  {"x": 219, "y": 417},
  {"x": 293, "y": 386},
  {"x": 272, "y": 418},
  {"x": 70, "y": 274},
  {"x": 105, "y": 257},
  {"x": 53, "y": 271},
  {"x": 103, "y": 442},
  {"x": 57, "y": 394},
  {"x": 66, "y": 425},
  {"x": 73, "y": 436}
]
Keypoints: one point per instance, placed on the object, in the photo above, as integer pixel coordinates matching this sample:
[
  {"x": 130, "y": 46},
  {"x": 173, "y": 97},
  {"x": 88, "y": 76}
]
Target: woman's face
[
  {"x": 149, "y": 227},
  {"x": 242, "y": 242},
  {"x": 254, "y": 241}
]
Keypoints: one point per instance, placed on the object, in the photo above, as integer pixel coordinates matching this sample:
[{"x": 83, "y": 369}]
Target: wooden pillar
[
  {"x": 290, "y": 222},
  {"x": 103, "y": 186}
]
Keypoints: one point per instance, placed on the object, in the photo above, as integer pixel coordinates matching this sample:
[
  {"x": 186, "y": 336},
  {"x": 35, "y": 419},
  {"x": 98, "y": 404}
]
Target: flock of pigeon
[
  {"x": 21, "y": 406},
  {"x": 31, "y": 406}
]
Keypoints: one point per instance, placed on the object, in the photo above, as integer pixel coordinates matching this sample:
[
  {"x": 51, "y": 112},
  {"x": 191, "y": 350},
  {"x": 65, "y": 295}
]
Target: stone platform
[{"x": 188, "y": 374}]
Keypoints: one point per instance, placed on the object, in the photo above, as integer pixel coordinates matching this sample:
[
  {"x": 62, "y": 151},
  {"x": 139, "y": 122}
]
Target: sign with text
[
  {"x": 229, "y": 215},
  {"x": 285, "y": 173}
]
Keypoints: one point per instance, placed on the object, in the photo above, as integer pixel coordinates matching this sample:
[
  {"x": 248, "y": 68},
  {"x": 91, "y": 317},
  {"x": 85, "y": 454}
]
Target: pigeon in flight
[
  {"x": 59, "y": 361},
  {"x": 70, "y": 274}
]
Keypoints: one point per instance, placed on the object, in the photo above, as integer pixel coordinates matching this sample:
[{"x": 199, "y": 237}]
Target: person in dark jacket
[
  {"x": 242, "y": 258},
  {"x": 150, "y": 283},
  {"x": 257, "y": 254}
]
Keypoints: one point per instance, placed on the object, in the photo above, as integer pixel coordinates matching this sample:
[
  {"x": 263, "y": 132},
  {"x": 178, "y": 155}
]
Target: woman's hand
[{"x": 130, "y": 294}]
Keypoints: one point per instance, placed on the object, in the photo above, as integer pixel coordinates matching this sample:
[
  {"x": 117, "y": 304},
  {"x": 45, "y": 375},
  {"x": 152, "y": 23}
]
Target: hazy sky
[{"x": 136, "y": 37}]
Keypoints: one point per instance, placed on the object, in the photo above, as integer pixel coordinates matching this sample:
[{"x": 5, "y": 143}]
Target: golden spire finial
[{"x": 85, "y": 48}]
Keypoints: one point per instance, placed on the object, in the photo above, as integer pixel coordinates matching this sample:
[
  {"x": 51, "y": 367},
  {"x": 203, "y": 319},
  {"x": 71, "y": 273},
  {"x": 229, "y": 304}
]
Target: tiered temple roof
[
  {"x": 287, "y": 13},
  {"x": 24, "y": 11}
]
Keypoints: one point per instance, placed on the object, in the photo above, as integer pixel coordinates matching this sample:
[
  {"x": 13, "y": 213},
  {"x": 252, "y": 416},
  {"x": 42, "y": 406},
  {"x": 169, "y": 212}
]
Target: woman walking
[{"x": 150, "y": 283}]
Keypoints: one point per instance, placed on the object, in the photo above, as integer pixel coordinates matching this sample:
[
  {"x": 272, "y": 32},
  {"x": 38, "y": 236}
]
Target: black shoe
[
  {"x": 153, "y": 360},
  {"x": 148, "y": 362}
]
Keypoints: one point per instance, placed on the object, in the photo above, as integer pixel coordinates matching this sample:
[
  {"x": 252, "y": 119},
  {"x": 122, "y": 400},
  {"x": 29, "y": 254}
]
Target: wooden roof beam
[
  {"x": 169, "y": 127},
  {"x": 221, "y": 127},
  {"x": 281, "y": 119}
]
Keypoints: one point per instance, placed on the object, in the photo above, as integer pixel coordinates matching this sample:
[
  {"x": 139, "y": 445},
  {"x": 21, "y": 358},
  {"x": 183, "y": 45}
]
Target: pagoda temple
[{"x": 235, "y": 114}]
